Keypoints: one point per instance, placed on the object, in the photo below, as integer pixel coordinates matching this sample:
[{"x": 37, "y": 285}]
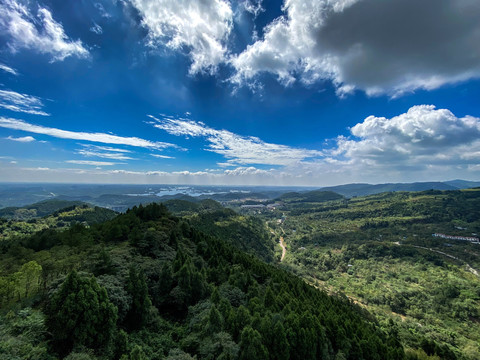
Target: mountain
[
  {"x": 244, "y": 232},
  {"x": 40, "y": 209},
  {"x": 463, "y": 184},
  {"x": 351, "y": 190},
  {"x": 20, "y": 222},
  {"x": 150, "y": 285},
  {"x": 310, "y": 196}
]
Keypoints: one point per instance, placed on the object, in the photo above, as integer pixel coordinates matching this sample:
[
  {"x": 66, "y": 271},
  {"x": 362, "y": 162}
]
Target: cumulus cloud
[
  {"x": 39, "y": 31},
  {"x": 241, "y": 150},
  {"x": 8, "y": 69},
  {"x": 376, "y": 46},
  {"x": 422, "y": 135},
  {"x": 422, "y": 144},
  {"x": 201, "y": 28},
  {"x": 24, "y": 139},
  {"x": 25, "y": 103},
  {"x": 15, "y": 124}
]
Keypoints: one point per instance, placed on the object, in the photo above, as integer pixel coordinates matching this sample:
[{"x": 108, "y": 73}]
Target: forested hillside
[
  {"x": 149, "y": 285},
  {"x": 40, "y": 209},
  {"x": 245, "y": 232},
  {"x": 50, "y": 214}
]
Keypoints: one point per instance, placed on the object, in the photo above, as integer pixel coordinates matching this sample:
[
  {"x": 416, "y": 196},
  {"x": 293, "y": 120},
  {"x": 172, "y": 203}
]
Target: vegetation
[
  {"x": 380, "y": 252},
  {"x": 40, "y": 209},
  {"x": 310, "y": 197},
  {"x": 26, "y": 221},
  {"x": 149, "y": 285}
]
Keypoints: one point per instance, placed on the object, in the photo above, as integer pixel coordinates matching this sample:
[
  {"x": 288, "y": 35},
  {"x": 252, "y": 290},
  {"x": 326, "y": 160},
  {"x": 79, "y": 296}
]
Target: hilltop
[{"x": 49, "y": 214}]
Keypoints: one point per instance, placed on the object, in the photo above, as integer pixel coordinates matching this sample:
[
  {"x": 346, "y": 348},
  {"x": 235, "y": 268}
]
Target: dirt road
[{"x": 284, "y": 248}]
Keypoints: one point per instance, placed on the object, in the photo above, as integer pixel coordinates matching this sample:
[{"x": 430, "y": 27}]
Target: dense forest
[{"x": 150, "y": 285}]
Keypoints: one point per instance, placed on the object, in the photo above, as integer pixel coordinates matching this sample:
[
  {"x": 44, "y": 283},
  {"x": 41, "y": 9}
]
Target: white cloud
[
  {"x": 162, "y": 156},
  {"x": 93, "y": 163},
  {"x": 242, "y": 176},
  {"x": 8, "y": 69},
  {"x": 21, "y": 139},
  {"x": 97, "y": 29},
  {"x": 254, "y": 7},
  {"x": 104, "y": 13},
  {"x": 25, "y": 103},
  {"x": 421, "y": 136},
  {"x": 105, "y": 148},
  {"x": 84, "y": 136},
  {"x": 105, "y": 152},
  {"x": 39, "y": 32},
  {"x": 238, "y": 149},
  {"x": 105, "y": 155},
  {"x": 423, "y": 144},
  {"x": 379, "y": 47},
  {"x": 201, "y": 28}
]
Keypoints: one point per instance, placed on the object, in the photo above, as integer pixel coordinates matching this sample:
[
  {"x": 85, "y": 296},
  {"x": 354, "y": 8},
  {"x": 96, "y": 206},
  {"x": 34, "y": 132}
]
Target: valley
[{"x": 380, "y": 251}]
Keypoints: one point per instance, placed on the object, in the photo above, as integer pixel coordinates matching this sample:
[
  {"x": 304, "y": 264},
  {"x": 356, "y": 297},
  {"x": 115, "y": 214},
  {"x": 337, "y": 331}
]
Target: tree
[
  {"x": 251, "y": 347},
  {"x": 28, "y": 276},
  {"x": 80, "y": 313},
  {"x": 215, "y": 321},
  {"x": 139, "y": 311}
]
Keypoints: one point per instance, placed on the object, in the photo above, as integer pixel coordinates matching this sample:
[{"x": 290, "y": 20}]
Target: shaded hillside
[
  {"x": 161, "y": 289},
  {"x": 40, "y": 209},
  {"x": 463, "y": 184},
  {"x": 187, "y": 206},
  {"x": 310, "y": 196},
  {"x": 245, "y": 232},
  {"x": 351, "y": 190}
]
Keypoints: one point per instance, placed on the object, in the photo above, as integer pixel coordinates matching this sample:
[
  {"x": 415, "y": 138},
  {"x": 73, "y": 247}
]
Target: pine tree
[
  {"x": 251, "y": 347},
  {"x": 139, "y": 311}
]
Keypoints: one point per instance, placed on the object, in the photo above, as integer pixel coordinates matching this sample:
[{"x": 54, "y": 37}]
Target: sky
[{"x": 248, "y": 92}]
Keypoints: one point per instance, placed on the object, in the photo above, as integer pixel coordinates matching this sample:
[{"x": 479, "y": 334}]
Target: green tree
[
  {"x": 251, "y": 347},
  {"x": 139, "y": 311},
  {"x": 80, "y": 313},
  {"x": 28, "y": 276},
  {"x": 215, "y": 321}
]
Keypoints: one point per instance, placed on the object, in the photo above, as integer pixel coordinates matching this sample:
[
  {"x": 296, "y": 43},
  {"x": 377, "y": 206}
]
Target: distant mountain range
[
  {"x": 350, "y": 190},
  {"x": 122, "y": 197}
]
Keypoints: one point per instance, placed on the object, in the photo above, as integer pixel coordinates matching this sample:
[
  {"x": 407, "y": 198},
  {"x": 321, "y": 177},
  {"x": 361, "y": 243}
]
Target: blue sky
[{"x": 300, "y": 92}]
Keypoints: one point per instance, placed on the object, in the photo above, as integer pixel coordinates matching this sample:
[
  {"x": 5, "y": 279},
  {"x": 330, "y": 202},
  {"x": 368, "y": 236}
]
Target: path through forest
[{"x": 284, "y": 248}]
